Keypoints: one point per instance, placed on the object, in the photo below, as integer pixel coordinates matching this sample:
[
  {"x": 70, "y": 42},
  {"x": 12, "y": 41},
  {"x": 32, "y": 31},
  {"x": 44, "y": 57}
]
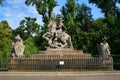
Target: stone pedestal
[
  {"x": 61, "y": 52},
  {"x": 61, "y": 61}
]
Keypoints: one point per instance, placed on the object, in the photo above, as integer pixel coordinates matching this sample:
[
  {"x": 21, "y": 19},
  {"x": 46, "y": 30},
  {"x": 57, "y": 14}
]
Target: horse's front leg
[{"x": 45, "y": 36}]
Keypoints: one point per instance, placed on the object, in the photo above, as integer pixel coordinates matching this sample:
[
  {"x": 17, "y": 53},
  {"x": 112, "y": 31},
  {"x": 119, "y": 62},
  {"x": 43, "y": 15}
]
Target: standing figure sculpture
[
  {"x": 17, "y": 48},
  {"x": 104, "y": 48}
]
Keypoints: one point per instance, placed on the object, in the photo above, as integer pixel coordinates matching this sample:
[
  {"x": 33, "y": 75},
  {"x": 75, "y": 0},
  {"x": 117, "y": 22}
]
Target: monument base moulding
[{"x": 61, "y": 61}]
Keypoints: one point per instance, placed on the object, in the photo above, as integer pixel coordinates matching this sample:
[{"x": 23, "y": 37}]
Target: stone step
[
  {"x": 61, "y": 52},
  {"x": 62, "y": 56}
]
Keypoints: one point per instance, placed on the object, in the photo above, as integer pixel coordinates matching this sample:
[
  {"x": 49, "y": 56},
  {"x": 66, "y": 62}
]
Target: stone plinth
[
  {"x": 61, "y": 62},
  {"x": 61, "y": 52},
  {"x": 60, "y": 56}
]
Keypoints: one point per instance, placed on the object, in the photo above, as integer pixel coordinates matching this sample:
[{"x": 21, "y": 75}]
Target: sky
[{"x": 13, "y": 11}]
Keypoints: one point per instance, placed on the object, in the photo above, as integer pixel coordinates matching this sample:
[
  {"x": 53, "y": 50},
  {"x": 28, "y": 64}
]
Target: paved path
[
  {"x": 89, "y": 73},
  {"x": 60, "y": 78},
  {"x": 92, "y": 75}
]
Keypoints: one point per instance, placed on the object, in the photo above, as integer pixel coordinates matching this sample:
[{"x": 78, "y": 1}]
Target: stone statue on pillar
[
  {"x": 104, "y": 48},
  {"x": 17, "y": 48}
]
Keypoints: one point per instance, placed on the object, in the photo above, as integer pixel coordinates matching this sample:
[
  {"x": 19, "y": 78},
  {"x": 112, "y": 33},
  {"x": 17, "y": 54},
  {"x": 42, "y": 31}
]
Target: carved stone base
[
  {"x": 59, "y": 49},
  {"x": 67, "y": 51},
  {"x": 54, "y": 61}
]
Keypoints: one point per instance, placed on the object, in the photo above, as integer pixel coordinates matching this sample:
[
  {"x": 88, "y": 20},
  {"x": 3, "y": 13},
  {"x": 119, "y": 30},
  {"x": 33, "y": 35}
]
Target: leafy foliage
[
  {"x": 44, "y": 7},
  {"x": 30, "y": 47},
  {"x": 68, "y": 12},
  {"x": 79, "y": 22},
  {"x": 108, "y": 7},
  {"x": 1, "y": 1},
  {"x": 28, "y": 28},
  {"x": 84, "y": 30},
  {"x": 5, "y": 38}
]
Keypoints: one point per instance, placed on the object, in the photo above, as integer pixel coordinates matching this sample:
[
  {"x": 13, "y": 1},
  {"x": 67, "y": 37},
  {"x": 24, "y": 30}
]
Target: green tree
[
  {"x": 28, "y": 28},
  {"x": 40, "y": 42},
  {"x": 108, "y": 7},
  {"x": 69, "y": 12},
  {"x": 5, "y": 38},
  {"x": 1, "y": 1},
  {"x": 84, "y": 17},
  {"x": 44, "y": 8},
  {"x": 30, "y": 47},
  {"x": 114, "y": 32},
  {"x": 84, "y": 21},
  {"x": 78, "y": 20}
]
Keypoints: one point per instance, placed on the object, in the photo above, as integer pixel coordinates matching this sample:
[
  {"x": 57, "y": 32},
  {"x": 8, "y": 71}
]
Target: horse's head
[{"x": 52, "y": 25}]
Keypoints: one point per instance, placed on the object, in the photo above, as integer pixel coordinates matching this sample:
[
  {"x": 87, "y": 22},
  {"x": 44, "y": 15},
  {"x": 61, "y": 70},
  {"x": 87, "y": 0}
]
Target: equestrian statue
[{"x": 56, "y": 36}]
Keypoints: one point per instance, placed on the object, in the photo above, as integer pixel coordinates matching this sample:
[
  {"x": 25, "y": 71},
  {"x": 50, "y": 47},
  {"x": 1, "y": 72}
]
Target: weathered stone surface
[
  {"x": 51, "y": 62},
  {"x": 59, "y": 55},
  {"x": 103, "y": 48},
  {"x": 17, "y": 48},
  {"x": 66, "y": 51},
  {"x": 56, "y": 37}
]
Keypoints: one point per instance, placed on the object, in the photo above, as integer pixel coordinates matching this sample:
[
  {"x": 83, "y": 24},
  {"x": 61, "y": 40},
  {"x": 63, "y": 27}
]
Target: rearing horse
[
  {"x": 50, "y": 36},
  {"x": 53, "y": 35}
]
